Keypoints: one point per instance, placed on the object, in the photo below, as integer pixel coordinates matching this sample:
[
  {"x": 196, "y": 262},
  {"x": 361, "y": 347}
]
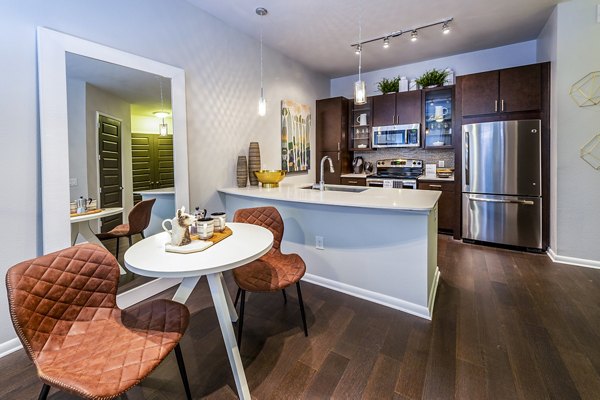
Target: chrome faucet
[{"x": 322, "y": 181}]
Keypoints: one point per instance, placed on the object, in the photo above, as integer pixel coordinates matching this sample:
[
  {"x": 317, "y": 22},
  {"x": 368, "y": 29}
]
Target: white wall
[
  {"x": 77, "y": 138},
  {"x": 222, "y": 84},
  {"x": 462, "y": 64},
  {"x": 570, "y": 41}
]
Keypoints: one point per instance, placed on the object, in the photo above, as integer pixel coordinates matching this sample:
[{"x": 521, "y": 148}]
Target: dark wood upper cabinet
[
  {"x": 384, "y": 110},
  {"x": 398, "y": 108},
  {"x": 507, "y": 90},
  {"x": 521, "y": 88},
  {"x": 479, "y": 93},
  {"x": 332, "y": 124},
  {"x": 408, "y": 107}
]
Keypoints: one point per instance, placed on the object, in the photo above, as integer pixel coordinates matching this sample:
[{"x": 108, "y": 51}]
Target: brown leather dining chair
[
  {"x": 272, "y": 272},
  {"x": 138, "y": 218},
  {"x": 63, "y": 308}
]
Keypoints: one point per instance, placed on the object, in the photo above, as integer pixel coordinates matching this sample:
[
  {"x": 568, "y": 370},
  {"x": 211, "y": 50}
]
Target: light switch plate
[
  {"x": 441, "y": 163},
  {"x": 72, "y": 181}
]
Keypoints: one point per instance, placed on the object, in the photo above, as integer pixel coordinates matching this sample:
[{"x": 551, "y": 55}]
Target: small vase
[
  {"x": 242, "y": 171},
  {"x": 253, "y": 162}
]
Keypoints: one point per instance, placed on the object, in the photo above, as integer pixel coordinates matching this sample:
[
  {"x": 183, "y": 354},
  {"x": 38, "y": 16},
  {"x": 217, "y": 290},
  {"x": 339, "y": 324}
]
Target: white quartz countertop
[
  {"x": 435, "y": 178},
  {"x": 392, "y": 199},
  {"x": 169, "y": 190}
]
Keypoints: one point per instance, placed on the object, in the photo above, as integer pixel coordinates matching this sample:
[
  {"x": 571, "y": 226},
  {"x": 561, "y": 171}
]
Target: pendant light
[
  {"x": 262, "y": 102},
  {"x": 163, "y": 128},
  {"x": 360, "y": 91}
]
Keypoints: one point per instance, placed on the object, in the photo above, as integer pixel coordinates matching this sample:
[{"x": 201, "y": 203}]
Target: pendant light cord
[
  {"x": 261, "y": 60},
  {"x": 359, "y": 40}
]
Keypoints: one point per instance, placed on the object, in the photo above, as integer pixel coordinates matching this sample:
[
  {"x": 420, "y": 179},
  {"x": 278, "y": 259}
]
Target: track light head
[
  {"x": 414, "y": 36},
  {"x": 358, "y": 49},
  {"x": 445, "y": 28},
  {"x": 386, "y": 43}
]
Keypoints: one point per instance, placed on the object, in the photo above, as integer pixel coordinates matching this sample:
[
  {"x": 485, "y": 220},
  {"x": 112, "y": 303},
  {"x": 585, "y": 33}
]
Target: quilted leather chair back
[
  {"x": 48, "y": 294},
  {"x": 139, "y": 216},
  {"x": 267, "y": 217}
]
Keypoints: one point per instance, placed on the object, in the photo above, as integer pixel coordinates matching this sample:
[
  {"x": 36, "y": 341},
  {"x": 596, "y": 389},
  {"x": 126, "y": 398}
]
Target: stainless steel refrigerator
[{"x": 502, "y": 190}]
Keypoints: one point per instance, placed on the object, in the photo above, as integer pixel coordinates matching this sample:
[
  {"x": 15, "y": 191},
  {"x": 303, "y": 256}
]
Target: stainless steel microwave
[{"x": 397, "y": 136}]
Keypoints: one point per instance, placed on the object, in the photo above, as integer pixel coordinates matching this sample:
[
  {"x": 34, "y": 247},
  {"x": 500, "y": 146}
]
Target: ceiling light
[
  {"x": 445, "y": 28},
  {"x": 445, "y": 23},
  {"x": 262, "y": 102},
  {"x": 163, "y": 128},
  {"x": 360, "y": 92}
]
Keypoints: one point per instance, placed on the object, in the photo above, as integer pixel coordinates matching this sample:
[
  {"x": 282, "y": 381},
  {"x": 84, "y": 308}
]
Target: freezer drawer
[{"x": 512, "y": 220}]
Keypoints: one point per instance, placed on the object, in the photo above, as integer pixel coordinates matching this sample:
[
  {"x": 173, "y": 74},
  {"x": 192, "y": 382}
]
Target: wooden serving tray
[
  {"x": 97, "y": 210},
  {"x": 217, "y": 236},
  {"x": 199, "y": 245}
]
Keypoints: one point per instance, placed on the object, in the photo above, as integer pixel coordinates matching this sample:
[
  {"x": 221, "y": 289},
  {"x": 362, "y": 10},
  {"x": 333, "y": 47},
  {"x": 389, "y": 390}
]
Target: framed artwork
[{"x": 296, "y": 120}]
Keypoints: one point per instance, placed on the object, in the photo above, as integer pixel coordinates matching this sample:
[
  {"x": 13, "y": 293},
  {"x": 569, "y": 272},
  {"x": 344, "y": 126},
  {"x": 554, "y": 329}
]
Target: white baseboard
[
  {"x": 10, "y": 346},
  {"x": 124, "y": 300},
  {"x": 433, "y": 292},
  {"x": 385, "y": 300},
  {"x": 580, "y": 262}
]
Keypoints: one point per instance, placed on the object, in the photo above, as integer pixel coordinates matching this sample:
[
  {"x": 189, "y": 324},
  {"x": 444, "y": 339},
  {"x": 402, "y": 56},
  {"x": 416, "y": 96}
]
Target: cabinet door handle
[
  {"x": 436, "y": 186},
  {"x": 338, "y": 146},
  {"x": 502, "y": 105},
  {"x": 495, "y": 105},
  {"x": 338, "y": 156}
]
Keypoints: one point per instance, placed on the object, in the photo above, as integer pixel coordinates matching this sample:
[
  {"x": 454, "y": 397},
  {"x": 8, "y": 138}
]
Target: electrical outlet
[
  {"x": 441, "y": 163},
  {"x": 319, "y": 242}
]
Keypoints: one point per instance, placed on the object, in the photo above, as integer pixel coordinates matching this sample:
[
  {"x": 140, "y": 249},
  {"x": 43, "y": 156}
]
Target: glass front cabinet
[
  {"x": 360, "y": 126},
  {"x": 438, "y": 108}
]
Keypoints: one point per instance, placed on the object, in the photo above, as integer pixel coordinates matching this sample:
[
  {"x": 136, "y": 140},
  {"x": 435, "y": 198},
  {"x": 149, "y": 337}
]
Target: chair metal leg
[
  {"x": 182, "y": 372},
  {"x": 117, "y": 252},
  {"x": 130, "y": 242},
  {"x": 237, "y": 297},
  {"x": 44, "y": 393},
  {"x": 284, "y": 296},
  {"x": 302, "y": 308},
  {"x": 241, "y": 320},
  {"x": 142, "y": 233}
]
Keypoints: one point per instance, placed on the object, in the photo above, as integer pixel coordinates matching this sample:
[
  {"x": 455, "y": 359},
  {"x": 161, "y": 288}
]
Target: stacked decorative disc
[{"x": 253, "y": 162}]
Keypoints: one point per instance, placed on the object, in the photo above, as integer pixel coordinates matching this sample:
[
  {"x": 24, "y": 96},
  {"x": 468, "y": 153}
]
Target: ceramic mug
[
  {"x": 205, "y": 228},
  {"x": 219, "y": 219},
  {"x": 440, "y": 112},
  {"x": 362, "y": 119}
]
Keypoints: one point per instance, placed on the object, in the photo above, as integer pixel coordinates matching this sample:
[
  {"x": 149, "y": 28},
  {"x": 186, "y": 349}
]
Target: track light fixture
[{"x": 414, "y": 35}]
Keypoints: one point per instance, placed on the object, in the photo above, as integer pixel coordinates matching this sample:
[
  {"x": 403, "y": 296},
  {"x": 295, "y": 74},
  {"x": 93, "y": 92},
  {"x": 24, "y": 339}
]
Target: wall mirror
[{"x": 66, "y": 66}]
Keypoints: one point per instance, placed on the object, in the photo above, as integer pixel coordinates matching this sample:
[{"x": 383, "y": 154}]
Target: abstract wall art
[{"x": 296, "y": 121}]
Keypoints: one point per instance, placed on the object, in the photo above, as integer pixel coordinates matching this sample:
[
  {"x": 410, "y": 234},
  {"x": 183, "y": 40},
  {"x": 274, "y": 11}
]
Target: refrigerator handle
[
  {"x": 466, "y": 159},
  {"x": 523, "y": 202}
]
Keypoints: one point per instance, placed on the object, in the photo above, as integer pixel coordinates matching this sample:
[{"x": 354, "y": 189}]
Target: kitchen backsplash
[{"x": 428, "y": 156}]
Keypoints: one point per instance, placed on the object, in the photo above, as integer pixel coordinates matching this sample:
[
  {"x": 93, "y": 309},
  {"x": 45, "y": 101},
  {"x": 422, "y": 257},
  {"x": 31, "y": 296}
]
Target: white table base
[{"x": 226, "y": 314}]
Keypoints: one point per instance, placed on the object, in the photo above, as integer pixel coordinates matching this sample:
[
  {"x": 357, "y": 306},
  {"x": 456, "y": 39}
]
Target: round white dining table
[{"x": 247, "y": 243}]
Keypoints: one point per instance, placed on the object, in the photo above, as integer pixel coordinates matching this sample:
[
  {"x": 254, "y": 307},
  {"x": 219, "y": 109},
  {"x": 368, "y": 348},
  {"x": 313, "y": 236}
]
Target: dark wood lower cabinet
[
  {"x": 354, "y": 181},
  {"x": 445, "y": 204}
]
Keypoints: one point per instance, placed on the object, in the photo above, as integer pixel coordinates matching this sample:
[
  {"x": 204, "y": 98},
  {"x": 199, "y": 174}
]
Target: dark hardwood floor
[{"x": 507, "y": 325}]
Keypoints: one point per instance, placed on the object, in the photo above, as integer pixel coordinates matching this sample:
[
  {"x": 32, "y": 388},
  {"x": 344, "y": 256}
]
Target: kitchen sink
[{"x": 337, "y": 188}]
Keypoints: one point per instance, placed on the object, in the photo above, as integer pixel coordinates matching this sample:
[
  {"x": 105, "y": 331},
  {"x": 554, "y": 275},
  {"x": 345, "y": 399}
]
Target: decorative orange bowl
[{"x": 270, "y": 179}]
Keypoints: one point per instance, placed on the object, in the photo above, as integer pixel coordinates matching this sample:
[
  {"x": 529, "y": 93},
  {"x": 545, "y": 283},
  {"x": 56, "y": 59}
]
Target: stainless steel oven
[{"x": 392, "y": 183}]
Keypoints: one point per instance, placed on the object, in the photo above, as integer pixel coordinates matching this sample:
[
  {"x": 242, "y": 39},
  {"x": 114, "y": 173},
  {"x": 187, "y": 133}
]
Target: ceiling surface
[{"x": 319, "y": 33}]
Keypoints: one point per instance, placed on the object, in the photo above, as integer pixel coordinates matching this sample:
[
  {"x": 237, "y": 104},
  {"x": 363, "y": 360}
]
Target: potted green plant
[
  {"x": 388, "y": 85},
  {"x": 432, "y": 78}
]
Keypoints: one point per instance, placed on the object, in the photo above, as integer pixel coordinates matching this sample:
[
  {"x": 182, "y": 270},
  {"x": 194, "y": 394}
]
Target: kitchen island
[
  {"x": 377, "y": 244},
  {"x": 164, "y": 207}
]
